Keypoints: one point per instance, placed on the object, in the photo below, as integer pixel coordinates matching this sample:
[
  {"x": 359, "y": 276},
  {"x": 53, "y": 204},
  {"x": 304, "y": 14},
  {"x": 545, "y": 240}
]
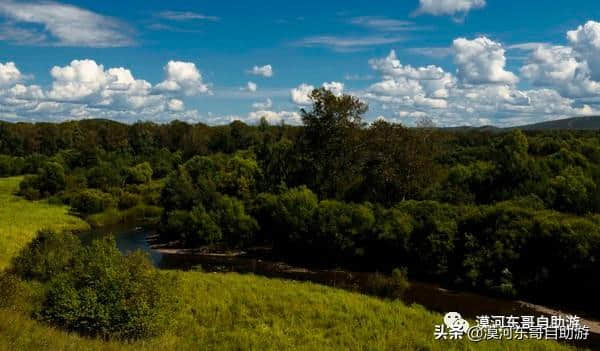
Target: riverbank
[
  {"x": 239, "y": 311},
  {"x": 429, "y": 295}
]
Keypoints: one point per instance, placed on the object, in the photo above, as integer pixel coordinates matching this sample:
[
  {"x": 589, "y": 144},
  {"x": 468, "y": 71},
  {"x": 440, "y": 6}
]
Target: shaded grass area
[
  {"x": 21, "y": 219},
  {"x": 232, "y": 311},
  {"x": 141, "y": 214}
]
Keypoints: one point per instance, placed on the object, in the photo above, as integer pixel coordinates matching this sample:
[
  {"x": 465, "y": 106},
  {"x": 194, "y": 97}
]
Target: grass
[
  {"x": 21, "y": 219},
  {"x": 238, "y": 312},
  {"x": 143, "y": 214}
]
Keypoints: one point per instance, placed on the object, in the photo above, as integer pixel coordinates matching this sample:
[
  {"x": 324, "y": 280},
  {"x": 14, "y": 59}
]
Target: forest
[{"x": 508, "y": 213}]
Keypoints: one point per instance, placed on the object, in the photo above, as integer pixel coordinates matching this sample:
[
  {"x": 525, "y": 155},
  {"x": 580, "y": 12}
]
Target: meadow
[
  {"x": 232, "y": 311},
  {"x": 21, "y": 219}
]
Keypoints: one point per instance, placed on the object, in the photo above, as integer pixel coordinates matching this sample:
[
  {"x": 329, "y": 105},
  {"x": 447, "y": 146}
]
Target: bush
[
  {"x": 237, "y": 226},
  {"x": 48, "y": 255},
  {"x": 28, "y": 187},
  {"x": 128, "y": 200},
  {"x": 95, "y": 290},
  {"x": 90, "y": 201},
  {"x": 392, "y": 286},
  {"x": 295, "y": 217},
  {"x": 139, "y": 174}
]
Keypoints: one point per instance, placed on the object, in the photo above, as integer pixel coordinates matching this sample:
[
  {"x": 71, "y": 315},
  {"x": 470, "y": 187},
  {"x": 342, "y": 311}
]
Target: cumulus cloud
[
  {"x": 487, "y": 96},
  {"x": 85, "y": 81},
  {"x": 184, "y": 78},
  {"x": 336, "y": 88},
  {"x": 176, "y": 105},
  {"x": 448, "y": 7},
  {"x": 586, "y": 41},
  {"x": 275, "y": 117},
  {"x": 558, "y": 67},
  {"x": 9, "y": 74},
  {"x": 267, "y": 104},
  {"x": 481, "y": 61},
  {"x": 301, "y": 94},
  {"x": 85, "y": 89},
  {"x": 427, "y": 85},
  {"x": 265, "y": 71},
  {"x": 62, "y": 25},
  {"x": 252, "y": 87}
]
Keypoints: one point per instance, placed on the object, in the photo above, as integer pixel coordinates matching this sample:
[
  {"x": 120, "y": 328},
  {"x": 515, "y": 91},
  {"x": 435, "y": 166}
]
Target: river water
[{"x": 431, "y": 296}]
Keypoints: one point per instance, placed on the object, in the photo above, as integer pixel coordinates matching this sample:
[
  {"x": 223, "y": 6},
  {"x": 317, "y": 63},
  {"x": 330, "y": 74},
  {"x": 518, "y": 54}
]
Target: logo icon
[{"x": 456, "y": 323}]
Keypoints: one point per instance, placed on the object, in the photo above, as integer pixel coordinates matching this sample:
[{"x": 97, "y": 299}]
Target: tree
[
  {"x": 139, "y": 174},
  {"x": 331, "y": 142}
]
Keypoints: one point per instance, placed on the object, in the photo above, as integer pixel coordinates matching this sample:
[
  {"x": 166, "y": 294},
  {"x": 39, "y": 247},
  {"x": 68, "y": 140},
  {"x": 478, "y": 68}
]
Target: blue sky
[{"x": 458, "y": 62}]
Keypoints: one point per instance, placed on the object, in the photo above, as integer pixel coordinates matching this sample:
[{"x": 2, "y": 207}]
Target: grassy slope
[
  {"x": 236, "y": 312},
  {"x": 21, "y": 219}
]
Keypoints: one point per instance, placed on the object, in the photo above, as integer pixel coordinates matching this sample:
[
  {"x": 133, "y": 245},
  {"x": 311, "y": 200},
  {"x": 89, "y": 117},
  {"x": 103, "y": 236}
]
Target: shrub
[
  {"x": 128, "y": 200},
  {"x": 139, "y": 174},
  {"x": 49, "y": 254},
  {"x": 392, "y": 286},
  {"x": 28, "y": 187},
  {"x": 237, "y": 226},
  {"x": 95, "y": 290},
  {"x": 91, "y": 201}
]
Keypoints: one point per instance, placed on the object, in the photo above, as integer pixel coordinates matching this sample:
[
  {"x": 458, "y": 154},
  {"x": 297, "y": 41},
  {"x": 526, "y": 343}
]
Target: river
[{"x": 431, "y": 296}]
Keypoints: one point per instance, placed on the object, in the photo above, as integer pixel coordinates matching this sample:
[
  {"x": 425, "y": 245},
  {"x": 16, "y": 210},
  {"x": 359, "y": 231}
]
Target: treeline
[{"x": 513, "y": 213}]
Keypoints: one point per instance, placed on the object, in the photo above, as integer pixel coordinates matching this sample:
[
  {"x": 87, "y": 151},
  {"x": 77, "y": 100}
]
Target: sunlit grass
[
  {"x": 233, "y": 311},
  {"x": 21, "y": 219}
]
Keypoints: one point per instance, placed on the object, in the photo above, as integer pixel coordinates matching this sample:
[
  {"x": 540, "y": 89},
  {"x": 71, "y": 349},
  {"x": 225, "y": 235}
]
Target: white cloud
[
  {"x": 430, "y": 82},
  {"x": 267, "y": 104},
  {"x": 9, "y": 74},
  {"x": 274, "y": 117},
  {"x": 336, "y": 88},
  {"x": 348, "y": 44},
  {"x": 85, "y": 89},
  {"x": 186, "y": 16},
  {"x": 265, "y": 71},
  {"x": 481, "y": 61},
  {"x": 301, "y": 94},
  {"x": 183, "y": 77},
  {"x": 558, "y": 67},
  {"x": 252, "y": 87},
  {"x": 412, "y": 93},
  {"x": 448, "y": 7},
  {"x": 176, "y": 105},
  {"x": 383, "y": 23},
  {"x": 586, "y": 42},
  {"x": 67, "y": 25}
]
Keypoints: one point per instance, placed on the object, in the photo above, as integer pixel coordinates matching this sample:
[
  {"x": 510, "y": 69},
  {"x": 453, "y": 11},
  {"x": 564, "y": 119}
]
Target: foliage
[
  {"x": 94, "y": 289},
  {"x": 90, "y": 201}
]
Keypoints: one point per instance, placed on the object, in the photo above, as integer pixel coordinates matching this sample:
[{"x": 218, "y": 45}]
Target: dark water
[{"x": 431, "y": 296}]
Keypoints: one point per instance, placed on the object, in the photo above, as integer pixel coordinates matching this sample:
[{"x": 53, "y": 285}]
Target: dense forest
[{"x": 510, "y": 213}]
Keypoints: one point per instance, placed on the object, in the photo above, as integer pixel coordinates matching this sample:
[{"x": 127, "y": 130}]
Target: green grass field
[
  {"x": 21, "y": 219},
  {"x": 234, "y": 311}
]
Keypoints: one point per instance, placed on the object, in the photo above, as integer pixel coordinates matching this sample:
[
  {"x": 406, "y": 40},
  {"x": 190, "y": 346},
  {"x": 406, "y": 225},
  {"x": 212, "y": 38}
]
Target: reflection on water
[{"x": 430, "y": 296}]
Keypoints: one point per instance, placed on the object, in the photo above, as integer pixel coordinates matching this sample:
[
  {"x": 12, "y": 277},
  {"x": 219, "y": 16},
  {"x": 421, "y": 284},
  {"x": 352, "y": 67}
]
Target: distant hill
[{"x": 575, "y": 123}]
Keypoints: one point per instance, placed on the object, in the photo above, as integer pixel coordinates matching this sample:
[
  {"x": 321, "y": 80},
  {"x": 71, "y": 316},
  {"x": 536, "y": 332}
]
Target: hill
[{"x": 574, "y": 123}]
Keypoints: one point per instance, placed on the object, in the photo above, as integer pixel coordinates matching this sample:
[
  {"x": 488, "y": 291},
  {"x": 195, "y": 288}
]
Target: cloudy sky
[{"x": 460, "y": 62}]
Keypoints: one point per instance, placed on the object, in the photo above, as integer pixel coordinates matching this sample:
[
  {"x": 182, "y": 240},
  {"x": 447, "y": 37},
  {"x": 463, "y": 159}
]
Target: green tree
[{"x": 331, "y": 142}]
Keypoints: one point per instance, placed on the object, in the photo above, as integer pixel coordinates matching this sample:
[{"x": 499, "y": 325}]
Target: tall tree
[{"x": 331, "y": 142}]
